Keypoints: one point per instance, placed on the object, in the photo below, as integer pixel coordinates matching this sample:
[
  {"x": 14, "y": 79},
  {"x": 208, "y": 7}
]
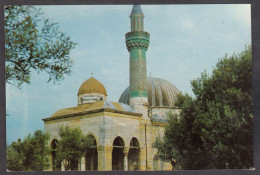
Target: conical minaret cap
[{"x": 136, "y": 10}]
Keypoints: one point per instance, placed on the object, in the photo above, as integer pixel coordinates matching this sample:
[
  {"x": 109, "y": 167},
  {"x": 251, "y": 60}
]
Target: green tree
[
  {"x": 214, "y": 129},
  {"x": 32, "y": 43},
  {"x": 71, "y": 147},
  {"x": 31, "y": 154},
  {"x": 14, "y": 156}
]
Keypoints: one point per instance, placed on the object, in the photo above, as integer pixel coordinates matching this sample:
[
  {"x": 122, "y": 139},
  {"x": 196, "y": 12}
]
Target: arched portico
[
  {"x": 91, "y": 157},
  {"x": 54, "y": 164},
  {"x": 134, "y": 155},
  {"x": 118, "y": 154}
]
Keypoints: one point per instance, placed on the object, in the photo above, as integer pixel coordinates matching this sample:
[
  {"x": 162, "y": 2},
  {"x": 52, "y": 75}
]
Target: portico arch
[
  {"x": 91, "y": 154},
  {"x": 134, "y": 155},
  {"x": 118, "y": 154},
  {"x": 55, "y": 165}
]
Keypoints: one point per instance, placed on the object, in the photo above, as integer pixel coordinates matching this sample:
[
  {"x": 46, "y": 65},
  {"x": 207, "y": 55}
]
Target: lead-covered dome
[
  {"x": 91, "y": 91},
  {"x": 160, "y": 93},
  {"x": 92, "y": 86}
]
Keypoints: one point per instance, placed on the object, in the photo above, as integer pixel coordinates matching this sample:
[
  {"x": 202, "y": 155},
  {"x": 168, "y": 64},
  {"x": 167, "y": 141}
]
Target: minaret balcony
[
  {"x": 137, "y": 40},
  {"x": 137, "y": 34}
]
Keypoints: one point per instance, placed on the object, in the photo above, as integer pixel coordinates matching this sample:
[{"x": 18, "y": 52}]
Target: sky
[{"x": 185, "y": 40}]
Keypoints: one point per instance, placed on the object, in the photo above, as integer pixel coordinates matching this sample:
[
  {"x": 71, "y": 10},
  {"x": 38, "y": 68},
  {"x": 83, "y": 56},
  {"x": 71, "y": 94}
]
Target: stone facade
[{"x": 106, "y": 127}]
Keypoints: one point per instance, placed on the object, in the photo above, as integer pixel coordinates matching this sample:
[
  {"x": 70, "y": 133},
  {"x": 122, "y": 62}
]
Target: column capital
[
  {"x": 104, "y": 148},
  {"x": 126, "y": 151},
  {"x": 83, "y": 159}
]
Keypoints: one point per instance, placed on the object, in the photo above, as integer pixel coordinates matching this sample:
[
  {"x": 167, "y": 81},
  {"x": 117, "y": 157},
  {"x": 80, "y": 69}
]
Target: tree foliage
[
  {"x": 32, "y": 43},
  {"x": 31, "y": 154},
  {"x": 71, "y": 147},
  {"x": 14, "y": 157},
  {"x": 214, "y": 129}
]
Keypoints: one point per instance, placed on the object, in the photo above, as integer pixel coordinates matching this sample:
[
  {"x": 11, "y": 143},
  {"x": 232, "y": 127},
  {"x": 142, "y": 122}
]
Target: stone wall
[{"x": 105, "y": 127}]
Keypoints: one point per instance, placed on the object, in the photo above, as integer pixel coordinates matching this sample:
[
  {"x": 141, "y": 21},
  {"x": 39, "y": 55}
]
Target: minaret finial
[{"x": 136, "y": 10}]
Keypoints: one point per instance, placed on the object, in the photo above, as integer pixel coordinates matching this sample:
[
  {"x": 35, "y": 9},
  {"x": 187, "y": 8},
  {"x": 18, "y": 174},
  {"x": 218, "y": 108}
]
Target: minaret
[{"x": 137, "y": 42}]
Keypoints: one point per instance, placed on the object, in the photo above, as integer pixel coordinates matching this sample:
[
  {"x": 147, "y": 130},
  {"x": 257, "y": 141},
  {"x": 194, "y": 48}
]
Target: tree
[
  {"x": 31, "y": 154},
  {"x": 71, "y": 147},
  {"x": 214, "y": 129},
  {"x": 14, "y": 157},
  {"x": 32, "y": 43},
  {"x": 167, "y": 153}
]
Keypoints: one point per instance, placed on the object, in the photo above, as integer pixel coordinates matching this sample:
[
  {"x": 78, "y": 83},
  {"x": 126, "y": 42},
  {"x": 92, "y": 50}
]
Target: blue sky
[{"x": 185, "y": 40}]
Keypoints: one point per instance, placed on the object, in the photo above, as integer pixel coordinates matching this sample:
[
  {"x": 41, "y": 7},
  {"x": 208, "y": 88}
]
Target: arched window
[
  {"x": 81, "y": 100},
  {"x": 118, "y": 154}
]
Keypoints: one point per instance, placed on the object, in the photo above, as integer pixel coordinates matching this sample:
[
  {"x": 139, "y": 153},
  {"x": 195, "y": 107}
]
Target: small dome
[
  {"x": 160, "y": 93},
  {"x": 92, "y": 86}
]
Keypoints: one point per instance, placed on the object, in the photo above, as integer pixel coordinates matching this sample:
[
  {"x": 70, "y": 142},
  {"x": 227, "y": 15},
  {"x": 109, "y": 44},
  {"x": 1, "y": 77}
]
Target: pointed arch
[
  {"x": 134, "y": 155},
  {"x": 119, "y": 141},
  {"x": 118, "y": 154},
  {"x": 55, "y": 165},
  {"x": 91, "y": 156},
  {"x": 92, "y": 138}
]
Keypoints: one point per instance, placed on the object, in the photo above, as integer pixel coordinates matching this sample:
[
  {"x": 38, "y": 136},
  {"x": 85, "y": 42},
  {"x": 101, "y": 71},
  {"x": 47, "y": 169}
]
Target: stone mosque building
[{"x": 123, "y": 131}]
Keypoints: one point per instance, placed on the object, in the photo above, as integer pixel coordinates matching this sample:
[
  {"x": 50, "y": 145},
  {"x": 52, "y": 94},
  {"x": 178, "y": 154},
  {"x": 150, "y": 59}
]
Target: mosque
[{"x": 123, "y": 131}]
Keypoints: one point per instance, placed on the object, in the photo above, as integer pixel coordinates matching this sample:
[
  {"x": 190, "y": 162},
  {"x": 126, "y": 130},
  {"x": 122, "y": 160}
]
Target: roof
[
  {"x": 94, "y": 108},
  {"x": 136, "y": 10},
  {"x": 157, "y": 118},
  {"x": 160, "y": 93},
  {"x": 92, "y": 86}
]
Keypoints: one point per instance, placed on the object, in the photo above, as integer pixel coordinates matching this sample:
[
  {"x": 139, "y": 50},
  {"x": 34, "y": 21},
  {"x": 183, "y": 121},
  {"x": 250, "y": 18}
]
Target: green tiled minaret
[{"x": 137, "y": 42}]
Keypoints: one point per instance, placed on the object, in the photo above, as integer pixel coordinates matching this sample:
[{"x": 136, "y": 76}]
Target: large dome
[
  {"x": 160, "y": 93},
  {"x": 92, "y": 86}
]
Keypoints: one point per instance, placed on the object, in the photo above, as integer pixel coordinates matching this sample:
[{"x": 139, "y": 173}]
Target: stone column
[
  {"x": 79, "y": 165},
  {"x": 142, "y": 155},
  {"x": 83, "y": 163},
  {"x": 149, "y": 141},
  {"x": 50, "y": 168},
  {"x": 142, "y": 160},
  {"x": 126, "y": 151},
  {"x": 62, "y": 165},
  {"x": 104, "y": 158}
]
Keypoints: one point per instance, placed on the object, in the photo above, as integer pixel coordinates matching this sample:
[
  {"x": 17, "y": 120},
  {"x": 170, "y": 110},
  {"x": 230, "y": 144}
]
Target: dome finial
[{"x": 91, "y": 75}]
